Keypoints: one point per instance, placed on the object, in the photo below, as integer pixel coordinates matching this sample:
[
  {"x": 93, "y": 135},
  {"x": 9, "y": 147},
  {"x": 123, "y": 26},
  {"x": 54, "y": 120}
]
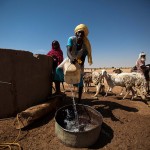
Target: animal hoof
[{"x": 94, "y": 97}]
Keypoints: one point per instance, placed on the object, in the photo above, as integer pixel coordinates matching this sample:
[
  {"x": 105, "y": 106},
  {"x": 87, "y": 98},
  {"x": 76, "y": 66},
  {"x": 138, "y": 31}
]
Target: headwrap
[
  {"x": 56, "y": 54},
  {"x": 142, "y": 54},
  {"x": 82, "y": 27}
]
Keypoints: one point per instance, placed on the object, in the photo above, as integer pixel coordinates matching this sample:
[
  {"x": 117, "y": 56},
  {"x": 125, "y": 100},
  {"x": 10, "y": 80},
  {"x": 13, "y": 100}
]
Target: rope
[
  {"x": 14, "y": 143},
  {"x": 5, "y": 82}
]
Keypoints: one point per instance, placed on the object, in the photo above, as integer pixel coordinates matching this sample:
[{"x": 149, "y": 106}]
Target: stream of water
[
  {"x": 74, "y": 121},
  {"x": 75, "y": 110}
]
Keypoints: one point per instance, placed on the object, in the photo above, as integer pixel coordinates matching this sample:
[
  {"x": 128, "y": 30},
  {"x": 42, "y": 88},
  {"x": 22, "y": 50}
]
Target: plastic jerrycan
[{"x": 72, "y": 73}]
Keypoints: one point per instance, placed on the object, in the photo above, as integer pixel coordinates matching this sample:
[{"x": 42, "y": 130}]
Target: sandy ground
[{"x": 126, "y": 125}]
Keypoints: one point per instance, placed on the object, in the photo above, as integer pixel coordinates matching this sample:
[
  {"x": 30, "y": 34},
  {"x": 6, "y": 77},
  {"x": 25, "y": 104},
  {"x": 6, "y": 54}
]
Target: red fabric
[{"x": 56, "y": 54}]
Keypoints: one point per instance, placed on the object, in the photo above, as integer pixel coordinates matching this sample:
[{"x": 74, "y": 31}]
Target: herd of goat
[{"x": 132, "y": 82}]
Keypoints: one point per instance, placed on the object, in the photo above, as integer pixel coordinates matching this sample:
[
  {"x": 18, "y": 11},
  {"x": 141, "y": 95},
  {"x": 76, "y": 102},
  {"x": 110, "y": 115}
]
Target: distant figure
[
  {"x": 57, "y": 55},
  {"x": 142, "y": 68},
  {"x": 140, "y": 63}
]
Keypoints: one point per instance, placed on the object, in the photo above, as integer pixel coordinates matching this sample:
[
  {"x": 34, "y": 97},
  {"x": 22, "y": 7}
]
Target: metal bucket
[{"x": 83, "y": 138}]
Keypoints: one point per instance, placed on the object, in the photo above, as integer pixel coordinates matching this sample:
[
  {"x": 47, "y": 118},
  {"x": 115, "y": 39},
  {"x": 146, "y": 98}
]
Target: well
[
  {"x": 25, "y": 80},
  {"x": 89, "y": 120}
]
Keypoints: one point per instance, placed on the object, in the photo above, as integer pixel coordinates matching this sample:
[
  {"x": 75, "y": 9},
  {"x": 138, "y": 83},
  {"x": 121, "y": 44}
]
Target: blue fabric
[
  {"x": 70, "y": 42},
  {"x": 59, "y": 71},
  {"x": 59, "y": 75}
]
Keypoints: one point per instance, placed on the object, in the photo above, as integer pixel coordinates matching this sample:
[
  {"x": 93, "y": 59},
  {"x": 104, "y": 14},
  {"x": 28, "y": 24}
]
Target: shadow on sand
[
  {"x": 105, "y": 137},
  {"x": 106, "y": 108}
]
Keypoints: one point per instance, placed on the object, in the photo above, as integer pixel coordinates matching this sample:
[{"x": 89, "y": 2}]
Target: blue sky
[{"x": 118, "y": 29}]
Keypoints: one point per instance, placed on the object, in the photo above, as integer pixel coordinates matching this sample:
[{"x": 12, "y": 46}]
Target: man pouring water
[{"x": 78, "y": 47}]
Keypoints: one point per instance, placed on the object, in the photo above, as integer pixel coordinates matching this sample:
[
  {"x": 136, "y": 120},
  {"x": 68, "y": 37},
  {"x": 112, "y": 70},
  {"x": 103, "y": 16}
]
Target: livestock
[
  {"x": 117, "y": 70},
  {"x": 98, "y": 81},
  {"x": 130, "y": 81},
  {"x": 87, "y": 80},
  {"x": 134, "y": 69}
]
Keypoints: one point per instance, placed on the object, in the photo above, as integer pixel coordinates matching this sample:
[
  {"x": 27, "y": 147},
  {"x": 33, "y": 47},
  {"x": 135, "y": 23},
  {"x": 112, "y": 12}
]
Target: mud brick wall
[{"x": 25, "y": 80}]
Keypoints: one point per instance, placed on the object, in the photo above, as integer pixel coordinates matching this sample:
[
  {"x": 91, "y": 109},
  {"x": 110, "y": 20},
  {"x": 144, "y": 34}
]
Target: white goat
[
  {"x": 98, "y": 81},
  {"x": 117, "y": 70},
  {"x": 87, "y": 80},
  {"x": 130, "y": 81}
]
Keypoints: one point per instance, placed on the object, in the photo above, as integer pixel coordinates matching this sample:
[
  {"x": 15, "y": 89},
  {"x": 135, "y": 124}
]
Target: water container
[
  {"x": 79, "y": 139},
  {"x": 72, "y": 73}
]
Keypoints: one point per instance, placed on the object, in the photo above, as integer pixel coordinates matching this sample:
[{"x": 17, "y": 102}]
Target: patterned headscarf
[
  {"x": 142, "y": 54},
  {"x": 83, "y": 27}
]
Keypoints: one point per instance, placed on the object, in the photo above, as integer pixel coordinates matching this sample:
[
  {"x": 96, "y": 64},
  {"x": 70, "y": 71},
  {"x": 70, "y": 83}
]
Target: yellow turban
[{"x": 82, "y": 27}]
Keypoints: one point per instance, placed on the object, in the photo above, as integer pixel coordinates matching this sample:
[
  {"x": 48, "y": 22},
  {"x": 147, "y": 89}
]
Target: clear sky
[{"x": 118, "y": 29}]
